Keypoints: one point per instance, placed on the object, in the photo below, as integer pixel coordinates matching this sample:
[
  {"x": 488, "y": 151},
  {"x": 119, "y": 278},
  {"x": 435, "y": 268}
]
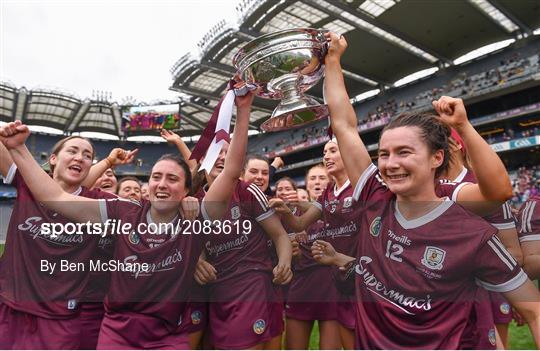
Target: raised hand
[
  {"x": 282, "y": 273},
  {"x": 278, "y": 163},
  {"x": 451, "y": 111},
  {"x": 243, "y": 101},
  {"x": 336, "y": 45},
  {"x": 119, "y": 156},
  {"x": 169, "y": 136},
  {"x": 190, "y": 208},
  {"x": 14, "y": 134}
]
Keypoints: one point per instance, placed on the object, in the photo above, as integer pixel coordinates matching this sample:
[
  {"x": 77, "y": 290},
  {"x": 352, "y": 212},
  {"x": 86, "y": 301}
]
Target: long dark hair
[{"x": 183, "y": 165}]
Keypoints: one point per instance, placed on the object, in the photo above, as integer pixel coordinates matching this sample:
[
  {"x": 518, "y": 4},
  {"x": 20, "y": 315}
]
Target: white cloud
[{"x": 123, "y": 47}]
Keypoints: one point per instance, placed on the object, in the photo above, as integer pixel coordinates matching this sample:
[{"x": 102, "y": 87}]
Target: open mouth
[
  {"x": 162, "y": 196},
  {"x": 75, "y": 168}
]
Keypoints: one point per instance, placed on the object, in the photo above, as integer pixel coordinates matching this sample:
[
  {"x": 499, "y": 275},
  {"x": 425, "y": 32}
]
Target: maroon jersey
[
  {"x": 529, "y": 220},
  {"x": 306, "y": 260},
  {"x": 415, "y": 273},
  {"x": 479, "y": 333},
  {"x": 242, "y": 250},
  {"x": 26, "y": 282},
  {"x": 340, "y": 217},
  {"x": 159, "y": 289}
]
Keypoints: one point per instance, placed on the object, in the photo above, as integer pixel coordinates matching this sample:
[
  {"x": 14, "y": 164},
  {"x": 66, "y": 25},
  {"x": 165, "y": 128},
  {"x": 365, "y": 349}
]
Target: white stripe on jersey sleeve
[
  {"x": 370, "y": 170},
  {"x": 504, "y": 250},
  {"x": 529, "y": 215},
  {"x": 510, "y": 285},
  {"x": 525, "y": 223},
  {"x": 502, "y": 226},
  {"x": 259, "y": 195},
  {"x": 533, "y": 237},
  {"x": 103, "y": 210},
  {"x": 507, "y": 211},
  {"x": 265, "y": 215},
  {"x": 10, "y": 174},
  {"x": 317, "y": 204},
  {"x": 497, "y": 251}
]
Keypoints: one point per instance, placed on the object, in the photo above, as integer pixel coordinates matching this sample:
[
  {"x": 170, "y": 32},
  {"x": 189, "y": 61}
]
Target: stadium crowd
[
  {"x": 420, "y": 251},
  {"x": 463, "y": 85}
]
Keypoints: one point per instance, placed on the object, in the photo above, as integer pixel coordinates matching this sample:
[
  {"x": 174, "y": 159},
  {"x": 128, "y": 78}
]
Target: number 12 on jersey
[{"x": 393, "y": 251}]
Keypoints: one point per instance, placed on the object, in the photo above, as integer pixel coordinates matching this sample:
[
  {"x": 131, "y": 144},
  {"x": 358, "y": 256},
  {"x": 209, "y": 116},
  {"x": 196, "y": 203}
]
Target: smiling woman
[{"x": 168, "y": 185}]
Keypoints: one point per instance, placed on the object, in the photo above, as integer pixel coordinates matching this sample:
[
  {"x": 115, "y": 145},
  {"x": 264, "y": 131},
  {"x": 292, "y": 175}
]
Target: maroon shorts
[
  {"x": 21, "y": 330},
  {"x": 345, "y": 312},
  {"x": 501, "y": 309},
  {"x": 244, "y": 311},
  {"x": 278, "y": 312},
  {"x": 312, "y": 295},
  {"x": 196, "y": 316},
  {"x": 128, "y": 330},
  {"x": 479, "y": 333},
  {"x": 91, "y": 317}
]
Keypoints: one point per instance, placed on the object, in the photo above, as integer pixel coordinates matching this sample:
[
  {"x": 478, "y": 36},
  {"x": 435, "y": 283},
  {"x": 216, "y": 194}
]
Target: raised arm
[
  {"x": 175, "y": 139},
  {"x": 116, "y": 157},
  {"x": 13, "y": 136},
  {"x": 222, "y": 188},
  {"x": 342, "y": 116},
  {"x": 5, "y": 160},
  {"x": 494, "y": 185}
]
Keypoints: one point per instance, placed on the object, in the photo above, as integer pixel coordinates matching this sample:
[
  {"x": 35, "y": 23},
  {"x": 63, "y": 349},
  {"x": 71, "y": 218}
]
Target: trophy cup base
[{"x": 286, "y": 119}]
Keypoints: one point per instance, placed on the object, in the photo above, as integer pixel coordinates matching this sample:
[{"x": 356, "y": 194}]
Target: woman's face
[
  {"x": 316, "y": 182},
  {"x": 130, "y": 189},
  {"x": 145, "y": 195},
  {"x": 283, "y": 188},
  {"x": 107, "y": 182},
  {"x": 332, "y": 159},
  {"x": 258, "y": 173},
  {"x": 406, "y": 163},
  {"x": 166, "y": 186},
  {"x": 72, "y": 163},
  {"x": 220, "y": 162}
]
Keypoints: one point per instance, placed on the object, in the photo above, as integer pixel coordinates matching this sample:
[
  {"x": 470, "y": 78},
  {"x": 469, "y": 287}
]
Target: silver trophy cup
[{"x": 284, "y": 65}]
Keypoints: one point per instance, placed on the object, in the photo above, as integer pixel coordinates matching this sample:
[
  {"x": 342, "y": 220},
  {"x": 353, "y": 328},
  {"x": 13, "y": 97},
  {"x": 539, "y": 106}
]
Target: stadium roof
[{"x": 388, "y": 40}]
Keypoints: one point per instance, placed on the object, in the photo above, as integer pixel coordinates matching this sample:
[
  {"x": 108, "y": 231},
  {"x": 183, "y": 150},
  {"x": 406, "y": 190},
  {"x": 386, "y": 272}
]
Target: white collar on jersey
[
  {"x": 77, "y": 192},
  {"x": 428, "y": 217},
  {"x": 150, "y": 220},
  {"x": 340, "y": 190},
  {"x": 462, "y": 175}
]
